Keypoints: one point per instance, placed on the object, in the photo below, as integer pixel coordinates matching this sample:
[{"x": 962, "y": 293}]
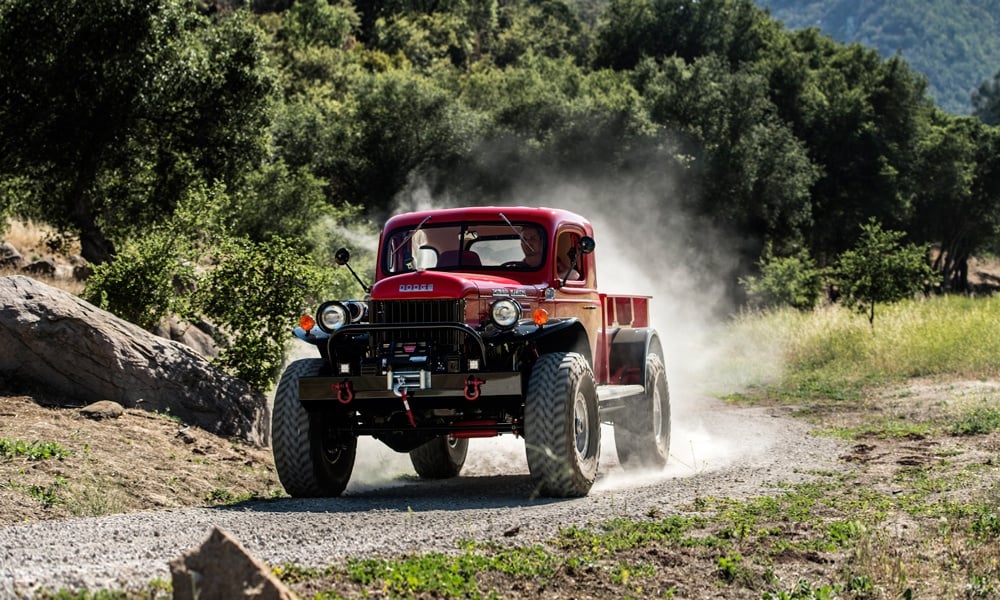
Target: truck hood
[{"x": 438, "y": 285}]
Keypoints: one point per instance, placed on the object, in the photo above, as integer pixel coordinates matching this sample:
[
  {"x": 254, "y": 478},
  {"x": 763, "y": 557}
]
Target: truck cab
[{"x": 480, "y": 322}]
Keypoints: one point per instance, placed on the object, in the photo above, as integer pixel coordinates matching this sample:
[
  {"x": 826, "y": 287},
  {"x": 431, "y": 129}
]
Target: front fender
[{"x": 315, "y": 336}]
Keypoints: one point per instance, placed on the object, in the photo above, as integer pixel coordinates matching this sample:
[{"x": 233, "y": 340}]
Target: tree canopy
[{"x": 328, "y": 112}]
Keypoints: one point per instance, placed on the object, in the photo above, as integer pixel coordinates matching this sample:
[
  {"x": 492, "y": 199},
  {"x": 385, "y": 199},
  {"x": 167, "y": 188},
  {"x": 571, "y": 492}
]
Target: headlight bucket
[
  {"x": 505, "y": 313},
  {"x": 331, "y": 316}
]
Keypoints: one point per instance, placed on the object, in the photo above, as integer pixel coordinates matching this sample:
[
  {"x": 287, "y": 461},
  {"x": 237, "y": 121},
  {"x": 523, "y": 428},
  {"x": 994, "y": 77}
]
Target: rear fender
[{"x": 627, "y": 355}]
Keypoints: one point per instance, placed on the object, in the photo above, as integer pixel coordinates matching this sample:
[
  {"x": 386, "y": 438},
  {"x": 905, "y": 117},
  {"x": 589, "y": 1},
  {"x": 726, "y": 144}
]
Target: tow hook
[
  {"x": 400, "y": 390},
  {"x": 345, "y": 391},
  {"x": 472, "y": 386}
]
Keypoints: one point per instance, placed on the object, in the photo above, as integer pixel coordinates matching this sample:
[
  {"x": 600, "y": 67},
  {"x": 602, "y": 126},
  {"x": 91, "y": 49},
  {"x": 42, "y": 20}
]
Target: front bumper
[{"x": 424, "y": 385}]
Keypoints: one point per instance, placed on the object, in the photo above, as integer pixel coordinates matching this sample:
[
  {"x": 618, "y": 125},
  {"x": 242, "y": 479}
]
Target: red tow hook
[
  {"x": 406, "y": 405},
  {"x": 345, "y": 391},
  {"x": 472, "y": 386}
]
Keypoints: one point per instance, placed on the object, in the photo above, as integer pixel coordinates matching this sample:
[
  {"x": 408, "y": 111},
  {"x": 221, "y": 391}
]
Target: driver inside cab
[{"x": 531, "y": 245}]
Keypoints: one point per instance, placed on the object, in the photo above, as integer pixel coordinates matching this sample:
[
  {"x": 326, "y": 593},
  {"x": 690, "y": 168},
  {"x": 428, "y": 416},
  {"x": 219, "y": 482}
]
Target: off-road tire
[
  {"x": 562, "y": 427},
  {"x": 311, "y": 462},
  {"x": 642, "y": 429},
  {"x": 440, "y": 458}
]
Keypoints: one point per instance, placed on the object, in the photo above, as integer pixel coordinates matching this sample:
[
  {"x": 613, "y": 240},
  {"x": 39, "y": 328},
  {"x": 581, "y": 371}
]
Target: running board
[{"x": 613, "y": 397}]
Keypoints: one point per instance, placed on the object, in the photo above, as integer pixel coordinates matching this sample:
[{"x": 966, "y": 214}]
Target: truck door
[{"x": 578, "y": 297}]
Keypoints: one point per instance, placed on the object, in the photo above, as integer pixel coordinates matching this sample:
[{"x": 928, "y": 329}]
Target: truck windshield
[{"x": 487, "y": 246}]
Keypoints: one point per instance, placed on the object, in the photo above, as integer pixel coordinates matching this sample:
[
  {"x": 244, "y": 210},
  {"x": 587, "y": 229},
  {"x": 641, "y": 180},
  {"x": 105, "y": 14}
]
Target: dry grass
[{"x": 37, "y": 241}]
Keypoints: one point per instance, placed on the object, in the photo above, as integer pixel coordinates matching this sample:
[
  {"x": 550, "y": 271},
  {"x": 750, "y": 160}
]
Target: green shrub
[
  {"x": 145, "y": 282},
  {"x": 253, "y": 292},
  {"x": 881, "y": 269},
  {"x": 785, "y": 281}
]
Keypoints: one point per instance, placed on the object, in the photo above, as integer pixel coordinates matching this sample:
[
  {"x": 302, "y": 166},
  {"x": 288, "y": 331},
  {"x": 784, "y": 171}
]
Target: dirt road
[{"x": 717, "y": 450}]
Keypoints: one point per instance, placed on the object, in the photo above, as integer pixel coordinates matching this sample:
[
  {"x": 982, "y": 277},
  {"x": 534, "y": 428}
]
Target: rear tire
[
  {"x": 310, "y": 458},
  {"x": 642, "y": 430},
  {"x": 562, "y": 427},
  {"x": 440, "y": 458}
]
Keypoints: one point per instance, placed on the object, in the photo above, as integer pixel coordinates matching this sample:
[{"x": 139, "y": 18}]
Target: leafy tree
[
  {"x": 120, "y": 106},
  {"x": 735, "y": 30},
  {"x": 860, "y": 118},
  {"x": 956, "y": 204},
  {"x": 793, "y": 280},
  {"x": 880, "y": 268},
  {"x": 986, "y": 101},
  {"x": 751, "y": 172},
  {"x": 548, "y": 28}
]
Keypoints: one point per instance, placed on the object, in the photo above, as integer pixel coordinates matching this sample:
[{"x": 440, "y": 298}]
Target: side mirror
[
  {"x": 342, "y": 256},
  {"x": 586, "y": 244}
]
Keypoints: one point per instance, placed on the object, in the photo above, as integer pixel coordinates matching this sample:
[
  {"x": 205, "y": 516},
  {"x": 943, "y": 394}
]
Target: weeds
[{"x": 32, "y": 451}]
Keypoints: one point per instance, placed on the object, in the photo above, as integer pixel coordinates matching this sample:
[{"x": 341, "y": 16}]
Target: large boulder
[{"x": 61, "y": 342}]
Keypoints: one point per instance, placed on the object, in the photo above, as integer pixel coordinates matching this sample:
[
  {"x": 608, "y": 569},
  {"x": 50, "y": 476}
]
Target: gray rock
[
  {"x": 57, "y": 340},
  {"x": 222, "y": 569},
  {"x": 103, "y": 409},
  {"x": 41, "y": 267},
  {"x": 10, "y": 258}
]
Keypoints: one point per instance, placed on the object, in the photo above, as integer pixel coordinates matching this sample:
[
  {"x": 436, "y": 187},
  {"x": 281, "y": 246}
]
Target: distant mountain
[{"x": 954, "y": 43}]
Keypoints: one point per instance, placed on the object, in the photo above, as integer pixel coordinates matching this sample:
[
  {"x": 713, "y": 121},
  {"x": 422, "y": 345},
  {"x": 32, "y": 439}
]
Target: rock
[
  {"x": 10, "y": 258},
  {"x": 221, "y": 569},
  {"x": 57, "y": 340},
  {"x": 45, "y": 267},
  {"x": 190, "y": 335},
  {"x": 82, "y": 272},
  {"x": 103, "y": 409}
]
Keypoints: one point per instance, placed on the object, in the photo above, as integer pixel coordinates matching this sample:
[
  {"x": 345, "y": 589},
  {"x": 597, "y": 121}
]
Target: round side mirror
[
  {"x": 586, "y": 244},
  {"x": 342, "y": 256}
]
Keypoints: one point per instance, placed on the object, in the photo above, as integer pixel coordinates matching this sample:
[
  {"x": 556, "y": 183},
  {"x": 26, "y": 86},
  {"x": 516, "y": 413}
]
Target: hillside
[{"x": 954, "y": 43}]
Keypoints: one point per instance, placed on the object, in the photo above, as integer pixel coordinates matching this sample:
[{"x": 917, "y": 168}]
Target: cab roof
[{"x": 549, "y": 217}]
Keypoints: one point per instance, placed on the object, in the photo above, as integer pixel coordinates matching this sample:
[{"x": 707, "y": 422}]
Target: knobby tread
[
  {"x": 553, "y": 461},
  {"x": 635, "y": 435},
  {"x": 290, "y": 442},
  {"x": 438, "y": 459}
]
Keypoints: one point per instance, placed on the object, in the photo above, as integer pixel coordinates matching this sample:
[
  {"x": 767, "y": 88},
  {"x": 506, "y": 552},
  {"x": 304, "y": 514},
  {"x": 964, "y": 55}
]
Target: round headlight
[
  {"x": 332, "y": 316},
  {"x": 505, "y": 313}
]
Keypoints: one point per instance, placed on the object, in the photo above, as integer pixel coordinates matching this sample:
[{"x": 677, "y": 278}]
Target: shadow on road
[{"x": 410, "y": 494}]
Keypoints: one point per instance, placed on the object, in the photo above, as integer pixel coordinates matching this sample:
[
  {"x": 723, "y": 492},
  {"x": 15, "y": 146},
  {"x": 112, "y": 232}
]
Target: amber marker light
[
  {"x": 540, "y": 316},
  {"x": 306, "y": 322}
]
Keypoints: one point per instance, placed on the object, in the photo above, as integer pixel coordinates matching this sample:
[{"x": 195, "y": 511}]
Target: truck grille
[{"x": 418, "y": 311}]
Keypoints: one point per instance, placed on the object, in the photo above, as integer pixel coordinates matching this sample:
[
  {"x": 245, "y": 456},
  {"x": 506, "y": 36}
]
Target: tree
[
  {"x": 880, "y": 268},
  {"x": 736, "y": 30},
  {"x": 956, "y": 204},
  {"x": 785, "y": 281},
  {"x": 120, "y": 106},
  {"x": 986, "y": 101}
]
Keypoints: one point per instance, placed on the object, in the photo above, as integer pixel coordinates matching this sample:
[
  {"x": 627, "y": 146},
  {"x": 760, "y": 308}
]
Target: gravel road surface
[{"x": 717, "y": 450}]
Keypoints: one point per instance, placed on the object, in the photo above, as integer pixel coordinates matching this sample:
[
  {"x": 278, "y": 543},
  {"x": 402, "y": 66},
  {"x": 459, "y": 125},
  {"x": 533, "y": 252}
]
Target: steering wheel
[{"x": 511, "y": 264}]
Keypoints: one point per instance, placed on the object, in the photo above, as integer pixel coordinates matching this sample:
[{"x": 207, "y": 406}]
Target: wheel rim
[
  {"x": 333, "y": 450},
  {"x": 581, "y": 425},
  {"x": 657, "y": 416}
]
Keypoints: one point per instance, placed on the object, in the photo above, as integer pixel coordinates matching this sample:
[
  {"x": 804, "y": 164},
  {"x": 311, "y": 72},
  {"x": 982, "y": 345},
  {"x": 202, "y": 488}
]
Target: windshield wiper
[{"x": 517, "y": 231}]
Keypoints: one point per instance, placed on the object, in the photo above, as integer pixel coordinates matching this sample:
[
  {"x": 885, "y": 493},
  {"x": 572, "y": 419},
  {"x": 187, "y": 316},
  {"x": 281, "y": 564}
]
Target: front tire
[
  {"x": 310, "y": 458},
  {"x": 642, "y": 431},
  {"x": 562, "y": 427},
  {"x": 440, "y": 458}
]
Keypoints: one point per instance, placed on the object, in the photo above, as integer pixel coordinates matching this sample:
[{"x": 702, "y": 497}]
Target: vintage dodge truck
[{"x": 480, "y": 322}]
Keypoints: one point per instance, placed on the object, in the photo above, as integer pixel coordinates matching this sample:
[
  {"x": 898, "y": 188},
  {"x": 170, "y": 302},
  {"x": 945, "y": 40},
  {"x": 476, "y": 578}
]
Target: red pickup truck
[{"x": 480, "y": 322}]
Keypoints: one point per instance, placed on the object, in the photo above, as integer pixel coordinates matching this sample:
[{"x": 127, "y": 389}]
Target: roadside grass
[{"x": 913, "y": 513}]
